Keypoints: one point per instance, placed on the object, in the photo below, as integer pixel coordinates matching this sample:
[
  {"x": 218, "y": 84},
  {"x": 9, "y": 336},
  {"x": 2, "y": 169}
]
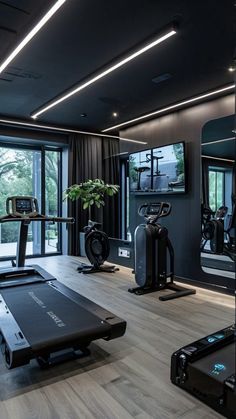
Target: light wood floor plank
[{"x": 124, "y": 378}]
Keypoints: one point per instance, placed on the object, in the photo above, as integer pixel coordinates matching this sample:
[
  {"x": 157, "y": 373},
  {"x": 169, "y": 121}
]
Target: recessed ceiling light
[
  {"x": 32, "y": 33},
  {"x": 169, "y": 108},
  {"x": 232, "y": 68},
  {"x": 104, "y": 73},
  {"x": 115, "y": 114},
  {"x": 83, "y": 115}
]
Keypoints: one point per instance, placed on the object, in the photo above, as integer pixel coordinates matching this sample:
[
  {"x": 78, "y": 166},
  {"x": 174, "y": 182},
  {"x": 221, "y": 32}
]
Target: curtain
[
  {"x": 205, "y": 182},
  {"x": 92, "y": 157},
  {"x": 111, "y": 174}
]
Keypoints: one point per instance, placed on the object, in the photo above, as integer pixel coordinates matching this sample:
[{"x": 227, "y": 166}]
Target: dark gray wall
[{"x": 185, "y": 222}]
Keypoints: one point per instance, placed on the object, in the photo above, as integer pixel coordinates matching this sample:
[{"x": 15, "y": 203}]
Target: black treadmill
[
  {"x": 42, "y": 318},
  {"x": 206, "y": 369}
]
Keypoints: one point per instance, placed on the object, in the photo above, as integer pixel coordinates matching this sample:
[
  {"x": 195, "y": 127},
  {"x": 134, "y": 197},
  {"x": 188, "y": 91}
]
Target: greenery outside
[
  {"x": 178, "y": 150},
  {"x": 16, "y": 178}
]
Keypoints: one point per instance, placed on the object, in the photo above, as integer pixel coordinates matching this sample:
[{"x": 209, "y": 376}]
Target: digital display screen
[
  {"x": 23, "y": 205},
  {"x": 158, "y": 170}
]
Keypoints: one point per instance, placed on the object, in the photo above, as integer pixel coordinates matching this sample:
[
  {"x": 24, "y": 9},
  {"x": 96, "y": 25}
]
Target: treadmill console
[{"x": 22, "y": 205}]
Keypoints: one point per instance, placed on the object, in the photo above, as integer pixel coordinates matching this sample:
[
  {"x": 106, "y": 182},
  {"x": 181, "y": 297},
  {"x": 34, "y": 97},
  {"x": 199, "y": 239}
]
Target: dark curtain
[
  {"x": 92, "y": 157},
  {"x": 111, "y": 174},
  {"x": 205, "y": 182}
]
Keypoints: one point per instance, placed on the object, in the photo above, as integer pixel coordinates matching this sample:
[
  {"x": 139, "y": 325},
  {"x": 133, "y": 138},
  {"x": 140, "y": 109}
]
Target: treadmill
[
  {"x": 40, "y": 317},
  {"x": 206, "y": 369}
]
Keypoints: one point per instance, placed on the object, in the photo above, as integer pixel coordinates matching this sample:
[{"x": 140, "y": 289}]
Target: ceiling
[{"x": 84, "y": 36}]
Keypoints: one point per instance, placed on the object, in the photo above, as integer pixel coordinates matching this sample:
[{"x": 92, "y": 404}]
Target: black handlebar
[
  {"x": 25, "y": 209},
  {"x": 39, "y": 217},
  {"x": 154, "y": 211}
]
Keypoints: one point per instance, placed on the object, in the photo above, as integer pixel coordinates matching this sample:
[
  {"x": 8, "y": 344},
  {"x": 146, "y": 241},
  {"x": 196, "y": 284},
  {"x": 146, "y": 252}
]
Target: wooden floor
[{"x": 123, "y": 378}]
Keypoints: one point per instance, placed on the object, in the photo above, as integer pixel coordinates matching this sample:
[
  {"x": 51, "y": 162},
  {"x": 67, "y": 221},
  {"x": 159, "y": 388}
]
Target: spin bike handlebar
[{"x": 153, "y": 211}]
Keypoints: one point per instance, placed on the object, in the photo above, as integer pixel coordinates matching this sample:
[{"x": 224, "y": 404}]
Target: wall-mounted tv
[{"x": 158, "y": 170}]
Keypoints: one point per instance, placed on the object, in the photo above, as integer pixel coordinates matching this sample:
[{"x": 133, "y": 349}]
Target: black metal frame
[{"x": 43, "y": 149}]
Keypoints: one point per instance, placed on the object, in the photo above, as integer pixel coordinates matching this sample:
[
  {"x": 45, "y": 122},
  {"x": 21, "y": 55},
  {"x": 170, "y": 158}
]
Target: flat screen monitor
[{"x": 159, "y": 170}]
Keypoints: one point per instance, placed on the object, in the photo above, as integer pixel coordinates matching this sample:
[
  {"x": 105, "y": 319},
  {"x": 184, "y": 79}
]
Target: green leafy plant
[{"x": 91, "y": 192}]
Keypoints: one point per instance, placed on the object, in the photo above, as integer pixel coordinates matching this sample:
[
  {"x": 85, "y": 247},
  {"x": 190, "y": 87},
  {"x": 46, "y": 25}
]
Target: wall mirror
[{"x": 218, "y": 203}]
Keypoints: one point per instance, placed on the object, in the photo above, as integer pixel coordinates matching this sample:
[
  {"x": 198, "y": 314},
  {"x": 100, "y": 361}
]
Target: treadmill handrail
[{"x": 39, "y": 217}]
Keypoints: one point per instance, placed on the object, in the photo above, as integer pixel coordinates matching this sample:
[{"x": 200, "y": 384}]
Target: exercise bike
[
  {"x": 154, "y": 254},
  {"x": 97, "y": 250}
]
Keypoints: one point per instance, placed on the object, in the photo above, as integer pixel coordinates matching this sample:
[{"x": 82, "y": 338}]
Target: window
[
  {"x": 216, "y": 188},
  {"x": 34, "y": 171}
]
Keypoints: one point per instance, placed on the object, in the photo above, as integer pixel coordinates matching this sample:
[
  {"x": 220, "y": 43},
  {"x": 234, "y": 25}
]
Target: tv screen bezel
[{"x": 158, "y": 192}]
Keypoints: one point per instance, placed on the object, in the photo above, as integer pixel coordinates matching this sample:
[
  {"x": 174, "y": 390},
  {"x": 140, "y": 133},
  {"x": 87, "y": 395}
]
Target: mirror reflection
[{"x": 218, "y": 209}]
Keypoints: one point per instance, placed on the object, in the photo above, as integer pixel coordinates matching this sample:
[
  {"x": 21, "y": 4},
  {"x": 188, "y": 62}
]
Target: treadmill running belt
[{"x": 47, "y": 318}]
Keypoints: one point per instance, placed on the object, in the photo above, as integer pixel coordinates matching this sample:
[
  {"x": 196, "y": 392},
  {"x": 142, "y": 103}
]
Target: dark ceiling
[{"x": 85, "y": 36}]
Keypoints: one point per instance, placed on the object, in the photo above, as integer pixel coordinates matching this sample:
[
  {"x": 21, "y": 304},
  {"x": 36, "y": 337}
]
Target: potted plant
[{"x": 92, "y": 192}]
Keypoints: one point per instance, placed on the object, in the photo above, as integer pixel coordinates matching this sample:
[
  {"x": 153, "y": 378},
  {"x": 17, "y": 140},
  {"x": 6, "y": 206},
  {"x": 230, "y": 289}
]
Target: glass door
[{"x": 35, "y": 172}]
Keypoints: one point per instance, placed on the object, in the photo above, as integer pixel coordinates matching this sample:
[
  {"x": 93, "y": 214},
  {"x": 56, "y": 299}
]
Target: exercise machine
[
  {"x": 97, "y": 249},
  {"x": 221, "y": 241},
  {"x": 140, "y": 170},
  {"x": 230, "y": 245},
  {"x": 154, "y": 254},
  {"x": 213, "y": 229},
  {"x": 41, "y": 318},
  {"x": 206, "y": 369},
  {"x": 25, "y": 209}
]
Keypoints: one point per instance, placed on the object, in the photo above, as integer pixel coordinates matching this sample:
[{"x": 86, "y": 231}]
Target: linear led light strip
[
  {"x": 169, "y": 108},
  {"x": 31, "y": 34},
  {"x": 218, "y": 141},
  {"x": 104, "y": 73},
  {"x": 28, "y": 124},
  {"x": 217, "y": 158}
]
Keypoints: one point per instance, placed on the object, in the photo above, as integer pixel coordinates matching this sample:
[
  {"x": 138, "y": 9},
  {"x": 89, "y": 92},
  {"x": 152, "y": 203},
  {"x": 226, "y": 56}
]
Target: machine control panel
[
  {"x": 24, "y": 206},
  {"x": 18, "y": 206}
]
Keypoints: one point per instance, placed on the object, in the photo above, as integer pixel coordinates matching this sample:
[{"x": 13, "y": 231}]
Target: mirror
[{"x": 218, "y": 210}]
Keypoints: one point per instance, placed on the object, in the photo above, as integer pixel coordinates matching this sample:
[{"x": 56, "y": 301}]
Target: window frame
[{"x": 42, "y": 148}]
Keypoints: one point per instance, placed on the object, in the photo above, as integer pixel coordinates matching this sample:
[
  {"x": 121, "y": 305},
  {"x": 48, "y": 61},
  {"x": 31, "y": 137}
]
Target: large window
[
  {"x": 216, "y": 188},
  {"x": 35, "y": 172}
]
